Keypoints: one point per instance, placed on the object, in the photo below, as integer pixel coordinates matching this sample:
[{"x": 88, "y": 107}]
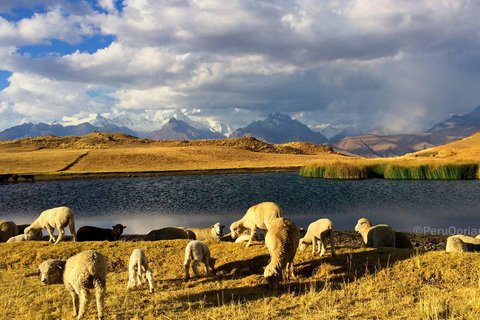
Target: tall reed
[{"x": 434, "y": 171}]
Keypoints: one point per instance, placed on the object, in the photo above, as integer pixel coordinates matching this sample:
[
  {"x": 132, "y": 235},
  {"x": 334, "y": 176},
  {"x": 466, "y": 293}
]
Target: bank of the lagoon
[
  {"x": 355, "y": 284},
  {"x": 369, "y": 169}
]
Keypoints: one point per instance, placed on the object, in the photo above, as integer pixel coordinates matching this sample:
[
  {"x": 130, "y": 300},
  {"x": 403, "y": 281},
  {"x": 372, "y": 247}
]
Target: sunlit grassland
[{"x": 355, "y": 284}]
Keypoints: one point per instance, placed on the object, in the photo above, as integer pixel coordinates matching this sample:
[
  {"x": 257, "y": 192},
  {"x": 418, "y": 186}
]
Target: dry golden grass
[
  {"x": 356, "y": 284},
  {"x": 110, "y": 152}
]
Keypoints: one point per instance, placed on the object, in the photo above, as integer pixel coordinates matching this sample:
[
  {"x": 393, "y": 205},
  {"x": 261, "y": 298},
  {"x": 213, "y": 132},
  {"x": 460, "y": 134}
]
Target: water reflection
[{"x": 199, "y": 201}]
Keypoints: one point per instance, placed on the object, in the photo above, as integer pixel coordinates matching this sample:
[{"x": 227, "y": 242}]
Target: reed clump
[{"x": 429, "y": 171}]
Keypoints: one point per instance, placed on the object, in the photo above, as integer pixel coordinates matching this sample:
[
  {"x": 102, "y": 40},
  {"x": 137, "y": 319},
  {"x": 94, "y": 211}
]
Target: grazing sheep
[
  {"x": 215, "y": 232},
  {"x": 402, "y": 241},
  {"x": 89, "y": 233},
  {"x": 169, "y": 233},
  {"x": 257, "y": 217},
  {"x": 86, "y": 270},
  {"x": 375, "y": 236},
  {"x": 138, "y": 270},
  {"x": 21, "y": 229},
  {"x": 50, "y": 219},
  {"x": 317, "y": 233},
  {"x": 8, "y": 229},
  {"x": 197, "y": 252},
  {"x": 461, "y": 243},
  {"x": 282, "y": 242}
]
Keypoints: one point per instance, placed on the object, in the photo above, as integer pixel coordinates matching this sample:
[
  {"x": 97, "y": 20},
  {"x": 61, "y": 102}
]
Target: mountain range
[{"x": 277, "y": 128}]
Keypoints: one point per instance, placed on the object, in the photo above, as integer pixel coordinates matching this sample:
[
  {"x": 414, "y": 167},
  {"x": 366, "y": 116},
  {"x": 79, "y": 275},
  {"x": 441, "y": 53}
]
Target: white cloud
[{"x": 368, "y": 61}]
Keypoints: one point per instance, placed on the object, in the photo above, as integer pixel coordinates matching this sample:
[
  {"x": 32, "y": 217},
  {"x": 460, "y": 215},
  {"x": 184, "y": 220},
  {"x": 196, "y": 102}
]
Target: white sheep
[
  {"x": 84, "y": 271},
  {"x": 197, "y": 252},
  {"x": 257, "y": 217},
  {"x": 282, "y": 242},
  {"x": 215, "y": 232},
  {"x": 139, "y": 271},
  {"x": 51, "y": 219},
  {"x": 461, "y": 243},
  {"x": 317, "y": 233},
  {"x": 17, "y": 238},
  {"x": 8, "y": 229},
  {"x": 375, "y": 236},
  {"x": 246, "y": 237}
]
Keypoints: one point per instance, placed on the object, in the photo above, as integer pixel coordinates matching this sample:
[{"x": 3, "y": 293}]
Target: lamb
[
  {"x": 84, "y": 271},
  {"x": 17, "y": 238},
  {"x": 50, "y": 219},
  {"x": 197, "y": 252},
  {"x": 215, "y": 232},
  {"x": 246, "y": 237},
  {"x": 375, "y": 236},
  {"x": 89, "y": 233},
  {"x": 21, "y": 229},
  {"x": 8, "y": 229},
  {"x": 461, "y": 243},
  {"x": 317, "y": 233},
  {"x": 169, "y": 233},
  {"x": 257, "y": 217},
  {"x": 282, "y": 242},
  {"x": 139, "y": 270}
]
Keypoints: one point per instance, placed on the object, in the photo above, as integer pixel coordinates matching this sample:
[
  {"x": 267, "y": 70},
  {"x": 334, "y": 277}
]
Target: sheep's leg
[
  {"x": 83, "y": 302},
  {"x": 195, "y": 264},
  {"x": 149, "y": 278},
  {"x": 131, "y": 278},
  {"x": 100, "y": 288},
  {"x": 322, "y": 245},
  {"x": 75, "y": 302},
  {"x": 50, "y": 232},
  {"x": 61, "y": 232},
  {"x": 186, "y": 266},
  {"x": 313, "y": 246},
  {"x": 252, "y": 234},
  {"x": 139, "y": 273}
]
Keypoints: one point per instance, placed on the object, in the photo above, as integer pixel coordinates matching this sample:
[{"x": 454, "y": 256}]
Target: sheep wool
[
  {"x": 51, "y": 219},
  {"x": 461, "y": 243},
  {"x": 138, "y": 270},
  {"x": 197, "y": 252},
  {"x": 84, "y": 271},
  {"x": 282, "y": 242},
  {"x": 8, "y": 229},
  {"x": 375, "y": 236},
  {"x": 317, "y": 234},
  {"x": 215, "y": 232},
  {"x": 257, "y": 217}
]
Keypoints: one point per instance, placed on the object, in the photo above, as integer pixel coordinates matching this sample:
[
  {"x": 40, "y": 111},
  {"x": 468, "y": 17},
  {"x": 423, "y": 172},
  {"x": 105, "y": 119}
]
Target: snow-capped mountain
[
  {"x": 143, "y": 125},
  {"x": 95, "y": 119}
]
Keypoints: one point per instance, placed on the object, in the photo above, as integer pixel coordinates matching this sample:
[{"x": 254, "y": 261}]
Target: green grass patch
[{"x": 434, "y": 171}]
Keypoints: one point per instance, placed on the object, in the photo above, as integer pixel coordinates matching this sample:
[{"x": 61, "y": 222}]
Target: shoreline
[{"x": 112, "y": 175}]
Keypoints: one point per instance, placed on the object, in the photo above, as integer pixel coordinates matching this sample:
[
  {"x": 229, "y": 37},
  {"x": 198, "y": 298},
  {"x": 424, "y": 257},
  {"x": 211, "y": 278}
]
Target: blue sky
[{"x": 401, "y": 64}]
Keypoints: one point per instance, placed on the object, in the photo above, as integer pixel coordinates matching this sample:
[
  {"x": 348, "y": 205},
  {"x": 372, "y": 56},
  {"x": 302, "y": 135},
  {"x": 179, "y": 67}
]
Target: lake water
[{"x": 144, "y": 204}]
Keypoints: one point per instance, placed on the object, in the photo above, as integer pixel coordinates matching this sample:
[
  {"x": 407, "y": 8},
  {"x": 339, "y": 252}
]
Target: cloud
[{"x": 398, "y": 63}]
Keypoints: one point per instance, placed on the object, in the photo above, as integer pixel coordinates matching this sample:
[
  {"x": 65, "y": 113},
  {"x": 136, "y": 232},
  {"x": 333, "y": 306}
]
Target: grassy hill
[
  {"x": 113, "y": 153},
  {"x": 355, "y": 284}
]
